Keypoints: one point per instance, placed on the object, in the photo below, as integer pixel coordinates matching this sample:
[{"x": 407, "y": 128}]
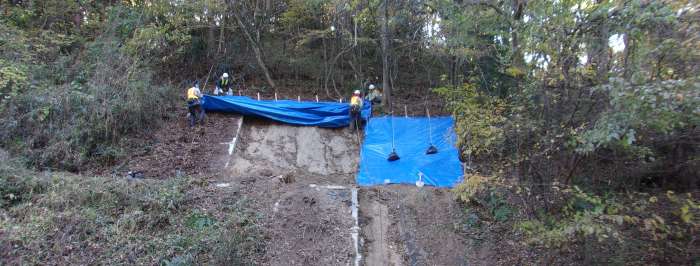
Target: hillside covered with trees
[{"x": 577, "y": 120}]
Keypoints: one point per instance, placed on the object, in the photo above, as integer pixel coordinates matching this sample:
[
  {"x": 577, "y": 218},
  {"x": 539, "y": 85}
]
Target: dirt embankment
[
  {"x": 299, "y": 180},
  {"x": 175, "y": 149},
  {"x": 421, "y": 225}
]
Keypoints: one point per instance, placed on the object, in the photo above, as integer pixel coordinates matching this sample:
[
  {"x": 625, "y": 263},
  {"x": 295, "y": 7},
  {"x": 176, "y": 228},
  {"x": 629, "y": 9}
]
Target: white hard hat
[
  {"x": 225, "y": 75},
  {"x": 371, "y": 86},
  {"x": 356, "y": 92}
]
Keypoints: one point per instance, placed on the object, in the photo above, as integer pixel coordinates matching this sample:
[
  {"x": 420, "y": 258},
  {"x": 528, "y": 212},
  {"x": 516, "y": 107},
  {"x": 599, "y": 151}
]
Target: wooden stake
[
  {"x": 275, "y": 96},
  {"x": 258, "y": 96},
  {"x": 316, "y": 98},
  {"x": 405, "y": 110},
  {"x": 298, "y": 98}
]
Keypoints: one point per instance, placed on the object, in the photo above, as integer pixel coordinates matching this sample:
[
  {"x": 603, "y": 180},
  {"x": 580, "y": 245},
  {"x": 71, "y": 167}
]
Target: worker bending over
[
  {"x": 355, "y": 110},
  {"x": 194, "y": 105},
  {"x": 374, "y": 96},
  {"x": 223, "y": 85}
]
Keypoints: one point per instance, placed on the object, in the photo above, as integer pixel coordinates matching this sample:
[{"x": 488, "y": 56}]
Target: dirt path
[
  {"x": 379, "y": 249},
  {"x": 406, "y": 225}
]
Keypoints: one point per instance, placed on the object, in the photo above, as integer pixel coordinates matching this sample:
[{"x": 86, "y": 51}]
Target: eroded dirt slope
[
  {"x": 177, "y": 149},
  {"x": 266, "y": 148},
  {"x": 299, "y": 180},
  {"x": 418, "y": 224}
]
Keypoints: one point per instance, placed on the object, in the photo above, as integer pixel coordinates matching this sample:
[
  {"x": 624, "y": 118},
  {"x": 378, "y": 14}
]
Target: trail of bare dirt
[
  {"x": 422, "y": 227},
  {"x": 376, "y": 222}
]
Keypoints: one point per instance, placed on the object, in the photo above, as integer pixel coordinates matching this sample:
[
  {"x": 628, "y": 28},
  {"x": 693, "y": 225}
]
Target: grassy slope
[{"x": 69, "y": 219}]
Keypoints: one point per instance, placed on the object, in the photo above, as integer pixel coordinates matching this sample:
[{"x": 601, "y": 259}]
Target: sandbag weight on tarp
[
  {"x": 432, "y": 149},
  {"x": 442, "y": 169},
  {"x": 393, "y": 156}
]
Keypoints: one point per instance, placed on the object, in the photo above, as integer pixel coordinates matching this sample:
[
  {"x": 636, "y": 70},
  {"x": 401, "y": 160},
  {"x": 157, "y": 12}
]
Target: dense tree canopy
[{"x": 528, "y": 80}]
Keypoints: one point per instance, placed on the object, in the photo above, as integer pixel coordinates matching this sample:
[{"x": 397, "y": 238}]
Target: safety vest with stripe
[
  {"x": 192, "y": 93},
  {"x": 356, "y": 100}
]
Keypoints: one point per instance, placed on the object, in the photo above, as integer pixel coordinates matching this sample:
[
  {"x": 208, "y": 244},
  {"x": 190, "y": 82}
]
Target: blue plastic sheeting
[
  {"x": 321, "y": 114},
  {"x": 412, "y": 140}
]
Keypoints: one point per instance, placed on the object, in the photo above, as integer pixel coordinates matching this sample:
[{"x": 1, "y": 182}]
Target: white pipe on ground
[
  {"x": 356, "y": 228},
  {"x": 232, "y": 144}
]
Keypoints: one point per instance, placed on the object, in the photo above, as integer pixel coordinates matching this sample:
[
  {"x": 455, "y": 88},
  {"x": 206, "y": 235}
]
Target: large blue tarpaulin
[
  {"x": 321, "y": 114},
  {"x": 412, "y": 140}
]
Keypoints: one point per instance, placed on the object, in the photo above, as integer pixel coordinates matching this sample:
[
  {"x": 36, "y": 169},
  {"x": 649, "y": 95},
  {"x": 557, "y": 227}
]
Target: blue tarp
[
  {"x": 412, "y": 140},
  {"x": 321, "y": 114}
]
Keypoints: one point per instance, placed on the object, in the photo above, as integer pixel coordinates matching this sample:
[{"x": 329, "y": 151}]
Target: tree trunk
[
  {"x": 256, "y": 49},
  {"x": 600, "y": 58},
  {"x": 211, "y": 41},
  {"x": 385, "y": 56},
  {"x": 221, "y": 36},
  {"x": 518, "y": 7}
]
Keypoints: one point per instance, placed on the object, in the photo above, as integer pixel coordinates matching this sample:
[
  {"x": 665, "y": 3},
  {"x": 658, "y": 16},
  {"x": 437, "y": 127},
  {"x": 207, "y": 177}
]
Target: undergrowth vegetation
[
  {"x": 615, "y": 228},
  {"x": 69, "y": 219},
  {"x": 590, "y": 147},
  {"x": 71, "y": 96}
]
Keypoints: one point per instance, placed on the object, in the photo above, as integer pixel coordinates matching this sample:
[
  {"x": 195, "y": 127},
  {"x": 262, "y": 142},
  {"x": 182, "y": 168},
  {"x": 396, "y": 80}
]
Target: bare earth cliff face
[{"x": 300, "y": 181}]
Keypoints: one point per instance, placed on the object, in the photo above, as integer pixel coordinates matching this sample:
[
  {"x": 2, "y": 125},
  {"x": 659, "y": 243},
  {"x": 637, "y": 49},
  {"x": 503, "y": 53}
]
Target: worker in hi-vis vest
[
  {"x": 374, "y": 96},
  {"x": 355, "y": 110},
  {"x": 223, "y": 85},
  {"x": 194, "y": 105}
]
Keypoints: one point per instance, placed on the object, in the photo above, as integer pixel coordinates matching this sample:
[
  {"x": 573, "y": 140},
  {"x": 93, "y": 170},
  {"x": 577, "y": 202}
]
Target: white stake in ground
[
  {"x": 420, "y": 182},
  {"x": 356, "y": 228},
  {"x": 232, "y": 144}
]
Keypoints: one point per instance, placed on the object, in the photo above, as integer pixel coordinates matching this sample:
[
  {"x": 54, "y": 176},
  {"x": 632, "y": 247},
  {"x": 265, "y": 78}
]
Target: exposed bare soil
[
  {"x": 176, "y": 149},
  {"x": 284, "y": 171},
  {"x": 423, "y": 226},
  {"x": 298, "y": 180}
]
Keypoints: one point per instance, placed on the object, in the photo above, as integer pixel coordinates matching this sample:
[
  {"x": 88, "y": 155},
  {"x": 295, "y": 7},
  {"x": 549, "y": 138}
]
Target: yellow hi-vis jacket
[
  {"x": 193, "y": 93},
  {"x": 356, "y": 100}
]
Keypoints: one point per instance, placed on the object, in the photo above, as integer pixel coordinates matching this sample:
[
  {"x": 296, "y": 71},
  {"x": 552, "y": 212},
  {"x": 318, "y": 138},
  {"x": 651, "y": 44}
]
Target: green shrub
[
  {"x": 623, "y": 226},
  {"x": 478, "y": 118},
  {"x": 67, "y": 108},
  {"x": 485, "y": 192},
  {"x": 18, "y": 184}
]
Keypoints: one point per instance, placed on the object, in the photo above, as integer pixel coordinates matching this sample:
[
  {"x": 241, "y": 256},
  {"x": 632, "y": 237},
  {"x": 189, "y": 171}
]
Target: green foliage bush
[
  {"x": 625, "y": 226},
  {"x": 651, "y": 108},
  {"x": 478, "y": 119},
  {"x": 65, "y": 103},
  {"x": 486, "y": 193}
]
